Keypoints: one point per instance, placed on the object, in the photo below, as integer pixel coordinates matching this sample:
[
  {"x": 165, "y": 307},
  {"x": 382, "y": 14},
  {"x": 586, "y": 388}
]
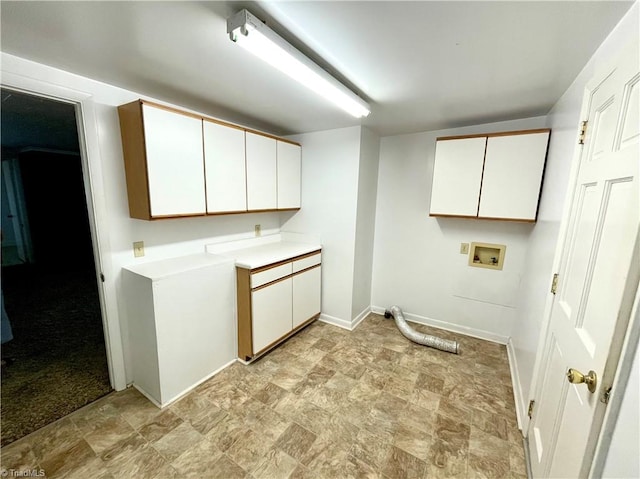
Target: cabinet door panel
[
  {"x": 306, "y": 295},
  {"x": 261, "y": 172},
  {"x": 271, "y": 313},
  {"x": 175, "y": 164},
  {"x": 289, "y": 157},
  {"x": 224, "y": 158},
  {"x": 457, "y": 176},
  {"x": 513, "y": 170}
]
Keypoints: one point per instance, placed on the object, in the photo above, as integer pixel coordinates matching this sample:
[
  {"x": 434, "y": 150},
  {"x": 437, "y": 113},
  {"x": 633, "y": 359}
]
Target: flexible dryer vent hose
[{"x": 420, "y": 338}]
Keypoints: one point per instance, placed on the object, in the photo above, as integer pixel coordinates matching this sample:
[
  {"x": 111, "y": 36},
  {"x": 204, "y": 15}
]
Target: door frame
[
  {"x": 88, "y": 139},
  {"x": 627, "y": 329}
]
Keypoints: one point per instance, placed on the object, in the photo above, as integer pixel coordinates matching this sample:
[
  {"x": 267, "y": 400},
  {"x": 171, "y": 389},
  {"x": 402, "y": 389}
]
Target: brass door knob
[{"x": 576, "y": 377}]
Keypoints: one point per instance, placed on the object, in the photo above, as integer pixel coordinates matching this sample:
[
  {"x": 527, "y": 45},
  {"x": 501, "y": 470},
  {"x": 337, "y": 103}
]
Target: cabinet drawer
[
  {"x": 264, "y": 277},
  {"x": 307, "y": 262}
]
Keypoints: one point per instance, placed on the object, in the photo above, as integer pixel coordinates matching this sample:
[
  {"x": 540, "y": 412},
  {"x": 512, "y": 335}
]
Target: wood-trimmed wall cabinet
[
  {"x": 181, "y": 164},
  {"x": 494, "y": 176},
  {"x": 275, "y": 301}
]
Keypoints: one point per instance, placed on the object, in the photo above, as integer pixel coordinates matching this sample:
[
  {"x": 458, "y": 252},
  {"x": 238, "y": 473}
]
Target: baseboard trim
[
  {"x": 358, "y": 319},
  {"x": 454, "y": 328},
  {"x": 516, "y": 384},
  {"x": 186, "y": 391},
  {"x": 341, "y": 323},
  {"x": 148, "y": 396}
]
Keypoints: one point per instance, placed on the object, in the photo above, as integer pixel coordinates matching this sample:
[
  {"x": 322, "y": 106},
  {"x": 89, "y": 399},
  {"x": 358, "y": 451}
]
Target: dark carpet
[{"x": 56, "y": 362}]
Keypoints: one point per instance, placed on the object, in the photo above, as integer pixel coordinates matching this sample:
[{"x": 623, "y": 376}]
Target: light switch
[{"x": 464, "y": 248}]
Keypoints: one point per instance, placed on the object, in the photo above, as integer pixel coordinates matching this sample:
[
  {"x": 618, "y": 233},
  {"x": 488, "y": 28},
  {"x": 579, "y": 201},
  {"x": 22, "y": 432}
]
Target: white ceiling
[{"x": 421, "y": 65}]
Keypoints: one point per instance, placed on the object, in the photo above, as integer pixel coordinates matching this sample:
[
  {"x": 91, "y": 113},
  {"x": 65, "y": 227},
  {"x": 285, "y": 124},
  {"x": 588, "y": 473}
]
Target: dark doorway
[{"x": 56, "y": 360}]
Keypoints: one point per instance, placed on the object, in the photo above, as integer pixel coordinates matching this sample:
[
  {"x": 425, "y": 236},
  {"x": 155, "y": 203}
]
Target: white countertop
[
  {"x": 262, "y": 255},
  {"x": 156, "y": 270}
]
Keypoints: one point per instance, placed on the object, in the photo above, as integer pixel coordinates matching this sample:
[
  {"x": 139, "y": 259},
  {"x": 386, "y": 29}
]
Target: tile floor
[{"x": 327, "y": 403}]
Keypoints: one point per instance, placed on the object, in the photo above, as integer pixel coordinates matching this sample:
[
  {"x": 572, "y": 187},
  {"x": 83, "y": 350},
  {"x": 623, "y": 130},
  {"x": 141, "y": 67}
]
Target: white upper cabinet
[
  {"x": 182, "y": 164},
  {"x": 513, "y": 170},
  {"x": 224, "y": 156},
  {"x": 494, "y": 176},
  {"x": 457, "y": 176},
  {"x": 261, "y": 172},
  {"x": 174, "y": 162},
  {"x": 163, "y": 161},
  {"x": 288, "y": 160}
]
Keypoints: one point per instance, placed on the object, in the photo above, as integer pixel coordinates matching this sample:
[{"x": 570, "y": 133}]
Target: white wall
[
  {"x": 330, "y": 168},
  {"x": 163, "y": 239},
  {"x": 417, "y": 264},
  {"x": 535, "y": 298},
  {"x": 365, "y": 223}
]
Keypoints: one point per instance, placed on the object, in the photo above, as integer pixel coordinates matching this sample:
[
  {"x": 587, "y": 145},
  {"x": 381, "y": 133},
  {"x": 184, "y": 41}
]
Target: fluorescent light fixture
[{"x": 253, "y": 35}]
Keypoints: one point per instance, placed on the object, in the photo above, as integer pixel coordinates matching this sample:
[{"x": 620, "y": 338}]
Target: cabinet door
[
  {"x": 513, "y": 170},
  {"x": 457, "y": 176},
  {"x": 306, "y": 295},
  {"x": 224, "y": 159},
  {"x": 194, "y": 316},
  {"x": 271, "y": 313},
  {"x": 175, "y": 165},
  {"x": 261, "y": 172},
  {"x": 289, "y": 157}
]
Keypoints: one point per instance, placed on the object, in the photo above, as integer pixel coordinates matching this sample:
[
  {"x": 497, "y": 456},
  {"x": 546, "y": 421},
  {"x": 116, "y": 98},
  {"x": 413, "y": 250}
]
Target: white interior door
[{"x": 594, "y": 266}]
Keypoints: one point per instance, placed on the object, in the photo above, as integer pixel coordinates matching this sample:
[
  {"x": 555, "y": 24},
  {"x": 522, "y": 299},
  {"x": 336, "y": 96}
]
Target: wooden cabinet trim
[
  {"x": 285, "y": 261},
  {"x": 438, "y": 215},
  {"x": 131, "y": 120},
  {"x": 262, "y": 286},
  {"x": 286, "y": 336},
  {"x": 501, "y": 133},
  {"x": 488, "y": 136},
  {"x": 306, "y": 255},
  {"x": 170, "y": 217},
  {"x": 518, "y": 220},
  {"x": 214, "y": 120},
  {"x": 244, "y": 305},
  {"x": 307, "y": 269},
  {"x": 135, "y": 159},
  {"x": 283, "y": 278},
  {"x": 245, "y": 330}
]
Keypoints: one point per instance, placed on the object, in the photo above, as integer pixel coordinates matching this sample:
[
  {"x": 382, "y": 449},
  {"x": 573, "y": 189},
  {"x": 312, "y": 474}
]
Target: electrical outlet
[
  {"x": 258, "y": 230},
  {"x": 138, "y": 249},
  {"x": 464, "y": 248}
]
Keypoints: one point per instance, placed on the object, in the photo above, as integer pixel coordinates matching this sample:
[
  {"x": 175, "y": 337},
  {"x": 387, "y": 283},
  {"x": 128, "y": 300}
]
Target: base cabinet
[
  {"x": 306, "y": 295},
  {"x": 181, "y": 321},
  {"x": 275, "y": 301},
  {"x": 271, "y": 313}
]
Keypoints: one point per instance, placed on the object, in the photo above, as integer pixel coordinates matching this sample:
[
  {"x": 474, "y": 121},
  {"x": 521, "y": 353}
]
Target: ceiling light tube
[{"x": 249, "y": 32}]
